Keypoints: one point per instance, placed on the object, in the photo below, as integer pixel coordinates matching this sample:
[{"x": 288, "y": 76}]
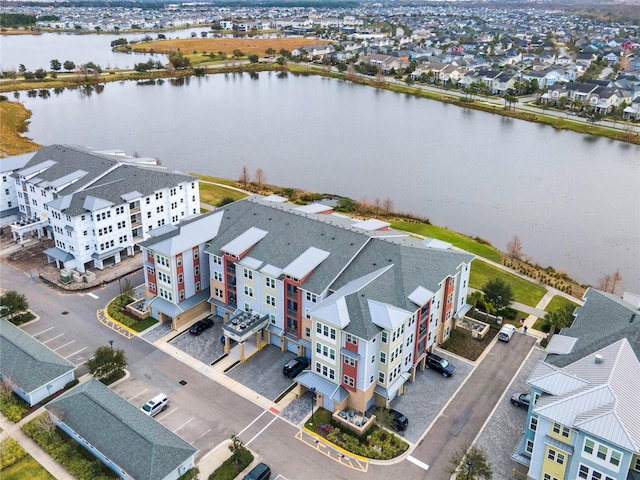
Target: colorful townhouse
[
  {"x": 584, "y": 420},
  {"x": 362, "y": 302},
  {"x": 97, "y": 207}
]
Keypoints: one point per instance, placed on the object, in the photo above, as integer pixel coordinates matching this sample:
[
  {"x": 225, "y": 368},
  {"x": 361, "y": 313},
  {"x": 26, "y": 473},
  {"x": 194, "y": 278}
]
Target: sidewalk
[{"x": 14, "y": 430}]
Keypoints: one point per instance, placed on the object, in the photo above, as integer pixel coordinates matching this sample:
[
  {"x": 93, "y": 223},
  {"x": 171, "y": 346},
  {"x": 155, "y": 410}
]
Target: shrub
[
  {"x": 229, "y": 469},
  {"x": 78, "y": 461},
  {"x": 10, "y": 453},
  {"x": 71, "y": 384},
  {"x": 12, "y": 406}
]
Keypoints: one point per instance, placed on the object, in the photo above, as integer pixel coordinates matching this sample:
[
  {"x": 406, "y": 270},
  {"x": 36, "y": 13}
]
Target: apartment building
[
  {"x": 9, "y": 211},
  {"x": 364, "y": 303},
  {"x": 583, "y": 422},
  {"x": 97, "y": 207}
]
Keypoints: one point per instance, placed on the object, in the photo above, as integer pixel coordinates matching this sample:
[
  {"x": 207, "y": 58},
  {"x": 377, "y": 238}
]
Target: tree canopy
[
  {"x": 471, "y": 463},
  {"x": 12, "y": 303},
  {"x": 107, "y": 363},
  {"x": 498, "y": 293}
]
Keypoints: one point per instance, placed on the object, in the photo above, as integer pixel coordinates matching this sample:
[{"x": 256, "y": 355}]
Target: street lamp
[
  {"x": 469, "y": 466},
  {"x": 313, "y": 398},
  {"x": 111, "y": 343}
]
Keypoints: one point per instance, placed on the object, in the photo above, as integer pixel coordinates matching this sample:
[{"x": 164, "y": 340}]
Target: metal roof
[
  {"x": 420, "y": 296},
  {"x": 371, "y": 224},
  {"x": 244, "y": 241},
  {"x": 314, "y": 208},
  {"x": 387, "y": 316},
  {"x": 561, "y": 344},
  {"x": 306, "y": 262}
]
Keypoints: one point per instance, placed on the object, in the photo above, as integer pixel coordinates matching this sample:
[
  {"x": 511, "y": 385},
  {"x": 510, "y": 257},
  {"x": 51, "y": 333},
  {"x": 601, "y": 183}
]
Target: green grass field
[
  {"x": 524, "y": 291},
  {"x": 26, "y": 468},
  {"x": 558, "y": 302},
  {"x": 456, "y": 239},
  {"x": 214, "y": 194}
]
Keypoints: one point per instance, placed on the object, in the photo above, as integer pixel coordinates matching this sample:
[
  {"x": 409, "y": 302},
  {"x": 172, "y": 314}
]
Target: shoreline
[{"x": 526, "y": 112}]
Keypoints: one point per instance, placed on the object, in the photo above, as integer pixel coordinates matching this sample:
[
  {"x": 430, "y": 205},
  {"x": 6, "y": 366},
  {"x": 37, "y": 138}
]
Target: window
[
  {"x": 248, "y": 291},
  {"x": 247, "y": 273},
  {"x": 218, "y": 293},
  {"x": 533, "y": 423},
  {"x": 588, "y": 446},
  {"x": 551, "y": 454},
  {"x": 529, "y": 447},
  {"x": 352, "y": 339},
  {"x": 217, "y": 260},
  {"x": 381, "y": 377},
  {"x": 272, "y": 319},
  {"x": 347, "y": 380},
  {"x": 312, "y": 297},
  {"x": 195, "y": 252},
  {"x": 602, "y": 452},
  {"x": 583, "y": 472},
  {"x": 196, "y": 270},
  {"x": 271, "y": 300},
  {"x": 383, "y": 357},
  {"x": 179, "y": 260},
  {"x": 615, "y": 458},
  {"x": 349, "y": 361},
  {"x": 217, "y": 276},
  {"x": 180, "y": 278},
  {"x": 383, "y": 337},
  {"x": 270, "y": 282}
]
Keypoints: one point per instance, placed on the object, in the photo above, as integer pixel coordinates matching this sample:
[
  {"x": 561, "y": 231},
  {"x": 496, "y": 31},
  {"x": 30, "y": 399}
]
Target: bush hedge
[
  {"x": 379, "y": 444},
  {"x": 68, "y": 453},
  {"x": 114, "y": 309},
  {"x": 229, "y": 469},
  {"x": 10, "y": 453},
  {"x": 13, "y": 407}
]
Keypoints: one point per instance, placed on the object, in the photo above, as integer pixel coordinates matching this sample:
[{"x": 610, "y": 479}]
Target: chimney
[{"x": 598, "y": 358}]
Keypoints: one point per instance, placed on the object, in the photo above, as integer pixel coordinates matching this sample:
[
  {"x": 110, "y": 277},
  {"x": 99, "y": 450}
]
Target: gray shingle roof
[
  {"x": 26, "y": 362},
  {"x": 137, "y": 443},
  {"x": 602, "y": 320},
  {"x": 103, "y": 177}
]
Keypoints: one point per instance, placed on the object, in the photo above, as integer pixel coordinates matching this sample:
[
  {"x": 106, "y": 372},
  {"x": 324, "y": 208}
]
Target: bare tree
[
  {"x": 514, "y": 248},
  {"x": 377, "y": 203},
  {"x": 379, "y": 76},
  {"x": 260, "y": 178},
  {"x": 611, "y": 283},
  {"x": 245, "y": 176},
  {"x": 351, "y": 72},
  {"x": 363, "y": 206},
  {"x": 387, "y": 204}
]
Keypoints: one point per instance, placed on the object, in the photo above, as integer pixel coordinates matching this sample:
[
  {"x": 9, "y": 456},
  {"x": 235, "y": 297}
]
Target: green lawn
[
  {"x": 223, "y": 181},
  {"x": 558, "y": 302},
  {"x": 144, "y": 324},
  {"x": 26, "y": 468},
  {"x": 213, "y": 194},
  {"x": 524, "y": 291},
  {"x": 456, "y": 239}
]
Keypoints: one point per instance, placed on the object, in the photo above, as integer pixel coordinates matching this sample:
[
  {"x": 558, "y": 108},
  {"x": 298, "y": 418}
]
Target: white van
[
  {"x": 156, "y": 405},
  {"x": 506, "y": 332}
]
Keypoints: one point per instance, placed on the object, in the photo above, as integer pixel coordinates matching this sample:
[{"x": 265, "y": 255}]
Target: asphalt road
[{"x": 462, "y": 419}]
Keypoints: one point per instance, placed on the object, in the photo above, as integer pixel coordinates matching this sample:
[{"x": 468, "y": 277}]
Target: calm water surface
[{"x": 573, "y": 200}]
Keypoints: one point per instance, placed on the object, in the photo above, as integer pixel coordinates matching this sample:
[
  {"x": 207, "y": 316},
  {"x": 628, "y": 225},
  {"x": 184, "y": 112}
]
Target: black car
[
  {"x": 521, "y": 400},
  {"x": 200, "y": 326},
  {"x": 439, "y": 364},
  {"x": 400, "y": 421},
  {"x": 259, "y": 472},
  {"x": 294, "y": 366}
]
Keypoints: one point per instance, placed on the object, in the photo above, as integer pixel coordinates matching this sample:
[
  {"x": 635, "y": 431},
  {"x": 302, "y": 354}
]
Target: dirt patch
[
  {"x": 461, "y": 343},
  {"x": 248, "y": 46}
]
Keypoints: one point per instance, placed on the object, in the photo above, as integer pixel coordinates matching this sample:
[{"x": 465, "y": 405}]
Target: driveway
[
  {"x": 428, "y": 394},
  {"x": 206, "y": 347}
]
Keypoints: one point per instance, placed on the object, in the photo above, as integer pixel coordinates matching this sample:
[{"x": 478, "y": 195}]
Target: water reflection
[
  {"x": 44, "y": 93},
  {"x": 254, "y": 75}
]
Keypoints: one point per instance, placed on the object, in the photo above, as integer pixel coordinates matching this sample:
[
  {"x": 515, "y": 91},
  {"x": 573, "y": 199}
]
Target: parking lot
[
  {"x": 206, "y": 347},
  {"x": 61, "y": 341},
  {"x": 185, "y": 415},
  {"x": 428, "y": 394}
]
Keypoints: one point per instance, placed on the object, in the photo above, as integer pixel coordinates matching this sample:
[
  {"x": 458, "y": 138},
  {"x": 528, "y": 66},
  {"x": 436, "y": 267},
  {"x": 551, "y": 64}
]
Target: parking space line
[
  {"x": 74, "y": 353},
  {"x": 138, "y": 394},
  {"x": 84, "y": 361},
  {"x": 417, "y": 462},
  {"x": 200, "y": 437},
  {"x": 260, "y": 432},
  {"x": 254, "y": 421},
  {"x": 58, "y": 336},
  {"x": 169, "y": 413},
  {"x": 182, "y": 425},
  {"x": 92, "y": 295},
  {"x": 43, "y": 331},
  {"x": 62, "y": 346}
]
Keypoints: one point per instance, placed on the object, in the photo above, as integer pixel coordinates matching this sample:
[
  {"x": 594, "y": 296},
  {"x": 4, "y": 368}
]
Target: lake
[{"x": 573, "y": 200}]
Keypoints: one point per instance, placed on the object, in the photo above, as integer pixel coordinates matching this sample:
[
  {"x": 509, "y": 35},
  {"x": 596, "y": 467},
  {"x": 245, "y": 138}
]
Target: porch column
[
  {"x": 243, "y": 358},
  {"x": 227, "y": 345}
]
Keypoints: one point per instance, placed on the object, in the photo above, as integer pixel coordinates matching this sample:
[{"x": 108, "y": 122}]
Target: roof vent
[
  {"x": 633, "y": 317},
  {"x": 598, "y": 358}
]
